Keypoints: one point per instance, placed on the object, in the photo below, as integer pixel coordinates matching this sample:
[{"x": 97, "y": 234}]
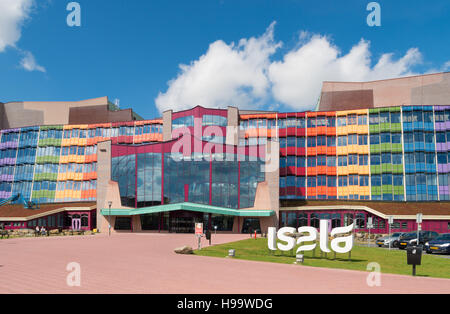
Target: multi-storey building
[{"x": 89, "y": 165}]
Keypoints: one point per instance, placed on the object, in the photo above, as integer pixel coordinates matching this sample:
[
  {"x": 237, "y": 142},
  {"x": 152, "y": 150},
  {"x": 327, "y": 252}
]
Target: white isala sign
[{"x": 273, "y": 235}]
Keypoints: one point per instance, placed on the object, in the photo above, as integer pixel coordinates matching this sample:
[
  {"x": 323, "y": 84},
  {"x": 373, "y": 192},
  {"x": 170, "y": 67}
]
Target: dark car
[
  {"x": 441, "y": 244},
  {"x": 410, "y": 238}
]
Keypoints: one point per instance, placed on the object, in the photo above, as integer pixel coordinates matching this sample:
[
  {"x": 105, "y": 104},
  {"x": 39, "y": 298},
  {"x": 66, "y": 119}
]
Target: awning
[{"x": 189, "y": 207}]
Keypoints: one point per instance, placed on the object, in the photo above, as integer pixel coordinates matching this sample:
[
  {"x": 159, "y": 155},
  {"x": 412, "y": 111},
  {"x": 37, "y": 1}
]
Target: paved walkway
[{"x": 146, "y": 263}]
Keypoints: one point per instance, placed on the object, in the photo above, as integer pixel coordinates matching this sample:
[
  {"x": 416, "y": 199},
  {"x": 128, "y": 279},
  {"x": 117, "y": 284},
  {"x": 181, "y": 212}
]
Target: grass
[{"x": 393, "y": 261}]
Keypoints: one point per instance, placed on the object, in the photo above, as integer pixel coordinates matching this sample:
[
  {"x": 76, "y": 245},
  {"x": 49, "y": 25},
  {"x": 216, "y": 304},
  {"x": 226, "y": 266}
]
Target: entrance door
[
  {"x": 183, "y": 221},
  {"x": 76, "y": 224}
]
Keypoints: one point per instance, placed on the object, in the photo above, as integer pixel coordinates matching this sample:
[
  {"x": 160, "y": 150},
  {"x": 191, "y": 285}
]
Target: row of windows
[
  {"x": 352, "y": 119},
  {"x": 387, "y": 179},
  {"x": 352, "y": 139},
  {"x": 384, "y": 117},
  {"x": 258, "y": 124},
  {"x": 386, "y": 158},
  {"x": 214, "y": 120},
  {"x": 325, "y": 181},
  {"x": 323, "y": 160}
]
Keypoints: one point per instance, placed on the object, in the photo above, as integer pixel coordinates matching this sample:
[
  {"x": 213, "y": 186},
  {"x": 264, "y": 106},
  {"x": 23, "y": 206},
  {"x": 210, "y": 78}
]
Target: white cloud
[
  {"x": 225, "y": 75},
  {"x": 246, "y": 76},
  {"x": 297, "y": 79},
  {"x": 13, "y": 13},
  {"x": 28, "y": 63}
]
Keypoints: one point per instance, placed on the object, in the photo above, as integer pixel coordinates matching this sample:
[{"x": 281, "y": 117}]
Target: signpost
[
  {"x": 390, "y": 222},
  {"x": 369, "y": 226},
  {"x": 199, "y": 234},
  {"x": 419, "y": 226}
]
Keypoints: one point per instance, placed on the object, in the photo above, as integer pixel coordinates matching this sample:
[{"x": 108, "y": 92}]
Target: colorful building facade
[{"x": 338, "y": 165}]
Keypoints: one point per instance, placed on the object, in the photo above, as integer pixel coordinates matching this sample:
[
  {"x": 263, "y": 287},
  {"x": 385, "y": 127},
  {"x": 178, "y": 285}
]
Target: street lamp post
[{"x": 109, "y": 220}]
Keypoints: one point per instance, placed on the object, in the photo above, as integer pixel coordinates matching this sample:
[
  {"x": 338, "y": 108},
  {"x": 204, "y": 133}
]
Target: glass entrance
[{"x": 183, "y": 221}]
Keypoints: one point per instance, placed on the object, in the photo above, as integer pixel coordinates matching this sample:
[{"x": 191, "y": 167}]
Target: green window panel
[
  {"x": 37, "y": 194},
  {"x": 50, "y": 142},
  {"x": 396, "y": 127},
  {"x": 396, "y": 148},
  {"x": 394, "y": 109},
  {"x": 47, "y": 160},
  {"x": 374, "y": 110},
  {"x": 376, "y": 190},
  {"x": 387, "y": 189},
  {"x": 386, "y": 147},
  {"x": 386, "y": 168},
  {"x": 45, "y": 177},
  {"x": 385, "y": 127},
  {"x": 375, "y": 128},
  {"x": 375, "y": 169},
  {"x": 397, "y": 169},
  {"x": 375, "y": 149},
  {"x": 51, "y": 127},
  {"x": 398, "y": 190}
]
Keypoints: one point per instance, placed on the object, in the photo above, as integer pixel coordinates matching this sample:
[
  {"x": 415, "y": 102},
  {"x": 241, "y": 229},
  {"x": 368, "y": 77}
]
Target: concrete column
[
  {"x": 103, "y": 179},
  {"x": 167, "y": 125},
  {"x": 232, "y": 137},
  {"x": 136, "y": 222}
]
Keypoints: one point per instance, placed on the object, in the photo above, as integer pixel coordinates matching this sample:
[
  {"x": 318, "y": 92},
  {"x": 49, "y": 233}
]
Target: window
[
  {"x": 215, "y": 120},
  {"x": 386, "y": 158},
  {"x": 363, "y": 160},
  {"x": 341, "y": 121},
  {"x": 342, "y": 140},
  {"x": 331, "y": 161},
  {"x": 331, "y": 141},
  {"x": 375, "y": 159},
  {"x": 342, "y": 161},
  {"x": 182, "y": 122},
  {"x": 311, "y": 141},
  {"x": 352, "y": 119},
  {"x": 364, "y": 180},
  {"x": 396, "y": 138},
  {"x": 352, "y": 139},
  {"x": 343, "y": 180},
  {"x": 321, "y": 160},
  {"x": 397, "y": 159},
  {"x": 311, "y": 122},
  {"x": 362, "y": 139},
  {"x": 331, "y": 181},
  {"x": 352, "y": 160},
  {"x": 362, "y": 120},
  {"x": 374, "y": 139}
]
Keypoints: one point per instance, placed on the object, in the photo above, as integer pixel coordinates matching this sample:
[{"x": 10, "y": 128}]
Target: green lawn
[{"x": 393, "y": 261}]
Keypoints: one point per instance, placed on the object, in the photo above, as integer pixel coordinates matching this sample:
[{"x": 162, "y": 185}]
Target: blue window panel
[
  {"x": 407, "y": 126},
  {"x": 409, "y": 147},
  {"x": 420, "y": 167},
  {"x": 429, "y": 147},
  {"x": 431, "y": 168}
]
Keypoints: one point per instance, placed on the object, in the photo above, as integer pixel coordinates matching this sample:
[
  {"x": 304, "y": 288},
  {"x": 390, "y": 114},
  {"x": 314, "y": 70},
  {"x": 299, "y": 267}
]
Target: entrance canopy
[{"x": 187, "y": 206}]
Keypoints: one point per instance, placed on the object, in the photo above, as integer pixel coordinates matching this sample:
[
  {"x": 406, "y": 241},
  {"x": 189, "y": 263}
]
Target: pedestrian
[{"x": 37, "y": 231}]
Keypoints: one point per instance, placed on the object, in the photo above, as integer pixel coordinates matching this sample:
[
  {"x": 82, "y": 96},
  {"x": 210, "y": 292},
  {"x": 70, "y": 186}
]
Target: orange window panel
[
  {"x": 312, "y": 171},
  {"x": 311, "y": 151},
  {"x": 311, "y": 131}
]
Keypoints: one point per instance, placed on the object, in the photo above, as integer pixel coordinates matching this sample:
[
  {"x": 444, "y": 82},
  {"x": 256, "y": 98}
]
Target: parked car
[
  {"x": 410, "y": 238},
  {"x": 393, "y": 239},
  {"x": 441, "y": 244}
]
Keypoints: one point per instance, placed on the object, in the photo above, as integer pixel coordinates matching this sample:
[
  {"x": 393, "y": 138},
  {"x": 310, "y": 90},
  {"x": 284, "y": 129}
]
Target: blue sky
[{"x": 132, "y": 50}]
